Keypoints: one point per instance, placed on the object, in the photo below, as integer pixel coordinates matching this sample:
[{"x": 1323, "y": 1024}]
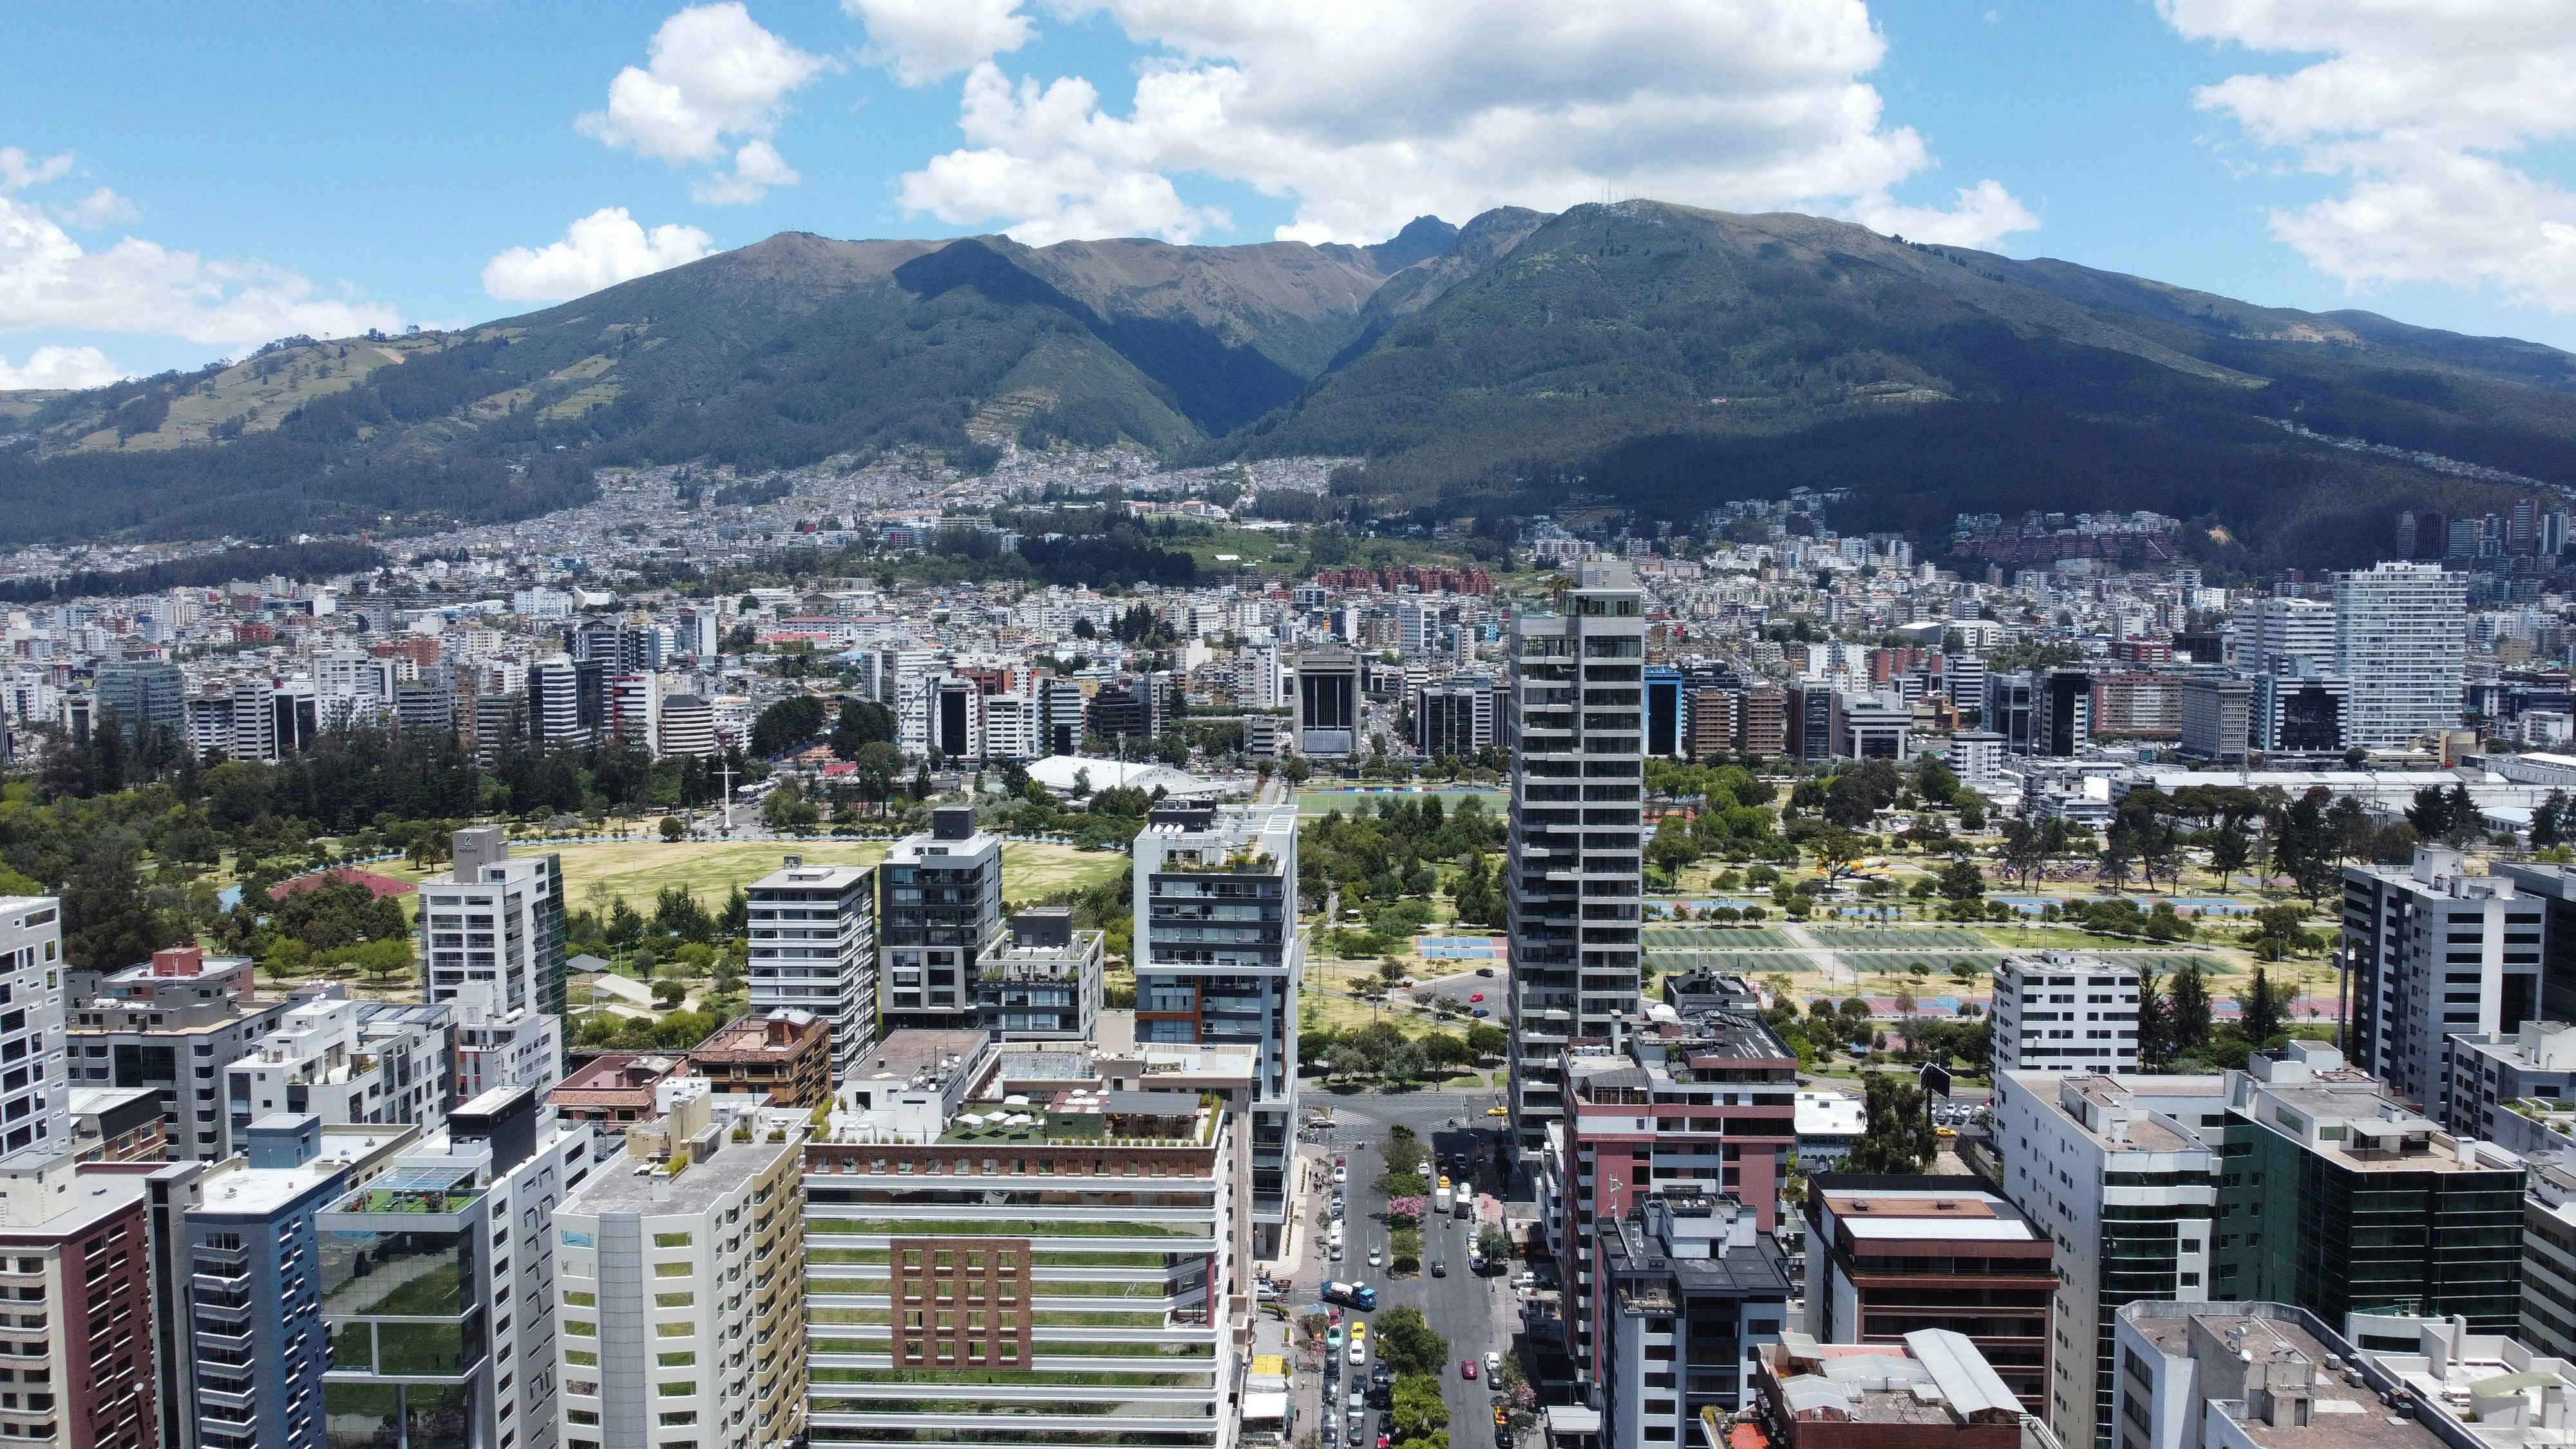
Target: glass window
[
  {"x": 413, "y": 1275},
  {"x": 360, "y": 1416}
]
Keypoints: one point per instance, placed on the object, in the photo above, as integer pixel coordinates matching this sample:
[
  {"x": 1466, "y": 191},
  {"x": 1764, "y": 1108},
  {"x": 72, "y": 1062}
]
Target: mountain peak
[{"x": 1423, "y": 238}]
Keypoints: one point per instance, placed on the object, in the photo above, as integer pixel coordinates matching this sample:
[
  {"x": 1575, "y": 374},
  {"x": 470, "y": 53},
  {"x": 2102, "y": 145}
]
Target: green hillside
[{"x": 1641, "y": 354}]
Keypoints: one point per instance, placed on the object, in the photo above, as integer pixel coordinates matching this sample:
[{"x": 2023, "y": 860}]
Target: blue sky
[{"x": 181, "y": 183}]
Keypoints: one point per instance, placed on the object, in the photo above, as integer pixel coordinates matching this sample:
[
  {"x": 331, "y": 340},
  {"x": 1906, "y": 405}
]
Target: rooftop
[
  {"x": 2273, "y": 1344},
  {"x": 621, "y": 1187},
  {"x": 1935, "y": 1379},
  {"x": 812, "y": 877}
]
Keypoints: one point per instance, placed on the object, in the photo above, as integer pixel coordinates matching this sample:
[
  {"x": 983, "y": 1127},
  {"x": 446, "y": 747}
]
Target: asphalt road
[{"x": 1475, "y": 1314}]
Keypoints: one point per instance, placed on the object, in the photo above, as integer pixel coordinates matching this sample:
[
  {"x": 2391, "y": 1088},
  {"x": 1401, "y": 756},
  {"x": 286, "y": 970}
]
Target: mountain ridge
[{"x": 1648, "y": 354}]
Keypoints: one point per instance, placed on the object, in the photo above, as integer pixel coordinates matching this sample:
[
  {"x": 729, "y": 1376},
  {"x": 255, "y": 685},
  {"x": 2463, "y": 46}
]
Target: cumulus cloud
[
  {"x": 19, "y": 171},
  {"x": 926, "y": 40},
  {"x": 600, "y": 250},
  {"x": 713, "y": 89},
  {"x": 48, "y": 280},
  {"x": 2415, "y": 111},
  {"x": 1370, "y": 112},
  {"x": 100, "y": 208},
  {"x": 61, "y": 367}
]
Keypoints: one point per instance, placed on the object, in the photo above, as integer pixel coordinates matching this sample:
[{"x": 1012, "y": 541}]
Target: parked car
[
  {"x": 1480, "y": 1013},
  {"x": 1484, "y": 970},
  {"x": 1493, "y": 1362}
]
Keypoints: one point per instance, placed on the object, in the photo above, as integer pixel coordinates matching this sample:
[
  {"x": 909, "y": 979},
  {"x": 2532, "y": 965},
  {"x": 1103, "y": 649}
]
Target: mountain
[{"x": 1639, "y": 355}]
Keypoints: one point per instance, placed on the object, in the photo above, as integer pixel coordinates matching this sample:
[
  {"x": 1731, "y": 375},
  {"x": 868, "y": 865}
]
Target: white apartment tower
[
  {"x": 2062, "y": 1011},
  {"x": 35, "y": 1095},
  {"x": 1573, "y": 879},
  {"x": 2401, "y": 638},
  {"x": 493, "y": 939},
  {"x": 814, "y": 948},
  {"x": 2435, "y": 952},
  {"x": 2282, "y": 635}
]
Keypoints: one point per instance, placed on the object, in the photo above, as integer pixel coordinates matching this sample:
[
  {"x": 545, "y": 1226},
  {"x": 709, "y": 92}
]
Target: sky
[{"x": 180, "y": 184}]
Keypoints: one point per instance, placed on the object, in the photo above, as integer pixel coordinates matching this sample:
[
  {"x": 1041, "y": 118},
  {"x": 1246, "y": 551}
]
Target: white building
[
  {"x": 493, "y": 936},
  {"x": 2063, "y": 1011},
  {"x": 680, "y": 1283},
  {"x": 2282, "y": 635},
  {"x": 814, "y": 948},
  {"x": 348, "y": 1062},
  {"x": 2401, "y": 640},
  {"x": 554, "y": 702},
  {"x": 2113, "y": 1169},
  {"x": 2435, "y": 952},
  {"x": 35, "y": 1098},
  {"x": 635, "y": 710}
]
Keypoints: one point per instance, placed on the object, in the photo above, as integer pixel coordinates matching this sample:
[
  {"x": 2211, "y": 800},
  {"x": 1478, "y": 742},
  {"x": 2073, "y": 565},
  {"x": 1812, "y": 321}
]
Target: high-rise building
[
  {"x": 2433, "y": 951},
  {"x": 493, "y": 936},
  {"x": 2401, "y": 639},
  {"x": 1047, "y": 984},
  {"x": 2063, "y": 1011},
  {"x": 2061, "y": 713},
  {"x": 348, "y": 1061},
  {"x": 1761, "y": 722},
  {"x": 814, "y": 948},
  {"x": 170, "y": 1026},
  {"x": 147, "y": 696},
  {"x": 688, "y": 726},
  {"x": 1811, "y": 705},
  {"x": 1687, "y": 1279},
  {"x": 635, "y": 710},
  {"x": 1891, "y": 1255},
  {"x": 554, "y": 703},
  {"x": 1708, "y": 720},
  {"x": 680, "y": 1288},
  {"x": 2339, "y": 1199},
  {"x": 2012, "y": 711},
  {"x": 1328, "y": 703},
  {"x": 1664, "y": 737},
  {"x": 2194, "y": 1374},
  {"x": 1454, "y": 718},
  {"x": 1933, "y": 1391},
  {"x": 2117, "y": 1169},
  {"x": 243, "y": 1345},
  {"x": 939, "y": 911},
  {"x": 1219, "y": 960},
  {"x": 2283, "y": 634},
  {"x": 35, "y": 1100},
  {"x": 436, "y": 1276},
  {"x": 2299, "y": 714},
  {"x": 1573, "y": 881},
  {"x": 982, "y": 1309}
]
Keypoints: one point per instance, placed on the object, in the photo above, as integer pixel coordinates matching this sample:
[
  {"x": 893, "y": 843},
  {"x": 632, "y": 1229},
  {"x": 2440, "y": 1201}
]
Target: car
[
  {"x": 1439, "y": 1268},
  {"x": 1333, "y": 1250},
  {"x": 1503, "y": 1437},
  {"x": 1381, "y": 1375},
  {"x": 1383, "y": 1441},
  {"x": 1502, "y": 1417},
  {"x": 1341, "y": 1174},
  {"x": 1355, "y": 1406},
  {"x": 1359, "y": 1333},
  {"x": 1479, "y": 996},
  {"x": 1485, "y": 971},
  {"x": 1498, "y": 1111},
  {"x": 1480, "y": 1013},
  {"x": 1493, "y": 1362},
  {"x": 1359, "y": 1354},
  {"x": 1373, "y": 1255},
  {"x": 1466, "y": 1368},
  {"x": 1333, "y": 1336}
]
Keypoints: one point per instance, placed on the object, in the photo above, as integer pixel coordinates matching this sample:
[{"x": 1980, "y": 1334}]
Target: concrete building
[
  {"x": 1219, "y": 960},
  {"x": 1931, "y": 1392},
  {"x": 939, "y": 910},
  {"x": 348, "y": 1061},
  {"x": 147, "y": 696},
  {"x": 2115, "y": 1169},
  {"x": 1328, "y": 703},
  {"x": 783, "y": 1054},
  {"x": 680, "y": 1289},
  {"x": 814, "y": 948},
  {"x": 954, "y": 1295},
  {"x": 2217, "y": 718},
  {"x": 1047, "y": 984},
  {"x": 170, "y": 1025},
  {"x": 2465, "y": 1388},
  {"x": 2338, "y": 1199},
  {"x": 493, "y": 947},
  {"x": 1693, "y": 1291},
  {"x": 2280, "y": 633},
  {"x": 2300, "y": 714},
  {"x": 2251, "y": 1376},
  {"x": 1828, "y": 1124},
  {"x": 1573, "y": 879},
  {"x": 1762, "y": 722},
  {"x": 109, "y": 1125},
  {"x": 243, "y": 1345},
  {"x": 1454, "y": 718},
  {"x": 615, "y": 1088},
  {"x": 435, "y": 1278},
  {"x": 2401, "y": 639},
  {"x": 1887, "y": 1256},
  {"x": 635, "y": 711},
  {"x": 1709, "y": 718},
  {"x": 1701, "y": 1104},
  {"x": 2498, "y": 1075},
  {"x": 688, "y": 726},
  {"x": 2434, "y": 952},
  {"x": 2065, "y": 1011},
  {"x": 554, "y": 703}
]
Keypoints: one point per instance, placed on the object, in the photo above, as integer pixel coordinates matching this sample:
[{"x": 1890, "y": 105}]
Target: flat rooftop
[
  {"x": 813, "y": 877},
  {"x": 918, "y": 1052},
  {"x": 2146, "y": 1132},
  {"x": 618, "y": 1188},
  {"x": 2352, "y": 1414}
]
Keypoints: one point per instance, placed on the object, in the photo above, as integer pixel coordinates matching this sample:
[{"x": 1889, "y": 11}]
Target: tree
[
  {"x": 1487, "y": 1040},
  {"x": 109, "y": 922},
  {"x": 2228, "y": 851},
  {"x": 2544, "y": 821},
  {"x": 1897, "y": 1136},
  {"x": 2189, "y": 1010},
  {"x": 860, "y": 722},
  {"x": 786, "y": 725},
  {"x": 2155, "y": 1020},
  {"x": 2262, "y": 1010},
  {"x": 1419, "y": 1406},
  {"x": 1406, "y": 1341},
  {"x": 672, "y": 829},
  {"x": 1961, "y": 880}
]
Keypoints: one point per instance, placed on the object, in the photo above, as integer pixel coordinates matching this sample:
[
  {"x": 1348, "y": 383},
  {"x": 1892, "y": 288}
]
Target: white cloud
[
  {"x": 600, "y": 250},
  {"x": 926, "y": 40},
  {"x": 18, "y": 171},
  {"x": 2413, "y": 111},
  {"x": 714, "y": 82},
  {"x": 1371, "y": 112},
  {"x": 61, "y": 367},
  {"x": 1983, "y": 214},
  {"x": 100, "y": 208},
  {"x": 48, "y": 280}
]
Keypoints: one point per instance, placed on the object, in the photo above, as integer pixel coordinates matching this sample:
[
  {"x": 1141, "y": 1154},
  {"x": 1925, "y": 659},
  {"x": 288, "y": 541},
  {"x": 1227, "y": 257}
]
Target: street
[{"x": 1475, "y": 1314}]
